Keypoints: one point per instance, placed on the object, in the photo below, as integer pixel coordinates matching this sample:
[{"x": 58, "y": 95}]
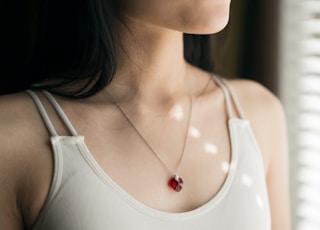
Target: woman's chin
[
  {"x": 215, "y": 25},
  {"x": 206, "y": 19}
]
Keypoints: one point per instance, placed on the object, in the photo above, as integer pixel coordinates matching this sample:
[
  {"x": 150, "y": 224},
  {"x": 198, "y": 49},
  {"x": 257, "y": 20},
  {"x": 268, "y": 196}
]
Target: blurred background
[{"x": 275, "y": 42}]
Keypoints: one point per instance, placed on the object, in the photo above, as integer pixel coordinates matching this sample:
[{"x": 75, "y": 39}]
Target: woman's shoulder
[
  {"x": 252, "y": 95},
  {"x": 247, "y": 89},
  {"x": 20, "y": 126},
  {"x": 256, "y": 100},
  {"x": 16, "y": 132},
  {"x": 23, "y": 154},
  {"x": 14, "y": 109},
  {"x": 17, "y": 113}
]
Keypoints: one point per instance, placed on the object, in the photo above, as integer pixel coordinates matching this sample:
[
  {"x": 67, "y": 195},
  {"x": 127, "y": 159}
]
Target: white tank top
[{"x": 83, "y": 197}]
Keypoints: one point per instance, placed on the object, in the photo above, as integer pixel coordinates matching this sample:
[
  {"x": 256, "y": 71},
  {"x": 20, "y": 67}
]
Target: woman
[{"x": 167, "y": 144}]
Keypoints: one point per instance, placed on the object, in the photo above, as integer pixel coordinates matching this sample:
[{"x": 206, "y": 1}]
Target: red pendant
[{"x": 176, "y": 183}]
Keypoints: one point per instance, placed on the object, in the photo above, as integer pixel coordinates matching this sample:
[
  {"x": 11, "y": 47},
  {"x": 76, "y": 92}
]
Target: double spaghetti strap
[
  {"x": 45, "y": 116},
  {"x": 230, "y": 96},
  {"x": 62, "y": 115},
  {"x": 43, "y": 113}
]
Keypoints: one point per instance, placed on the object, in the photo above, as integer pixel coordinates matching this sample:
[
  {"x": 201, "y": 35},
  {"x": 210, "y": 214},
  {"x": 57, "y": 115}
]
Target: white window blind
[{"x": 300, "y": 93}]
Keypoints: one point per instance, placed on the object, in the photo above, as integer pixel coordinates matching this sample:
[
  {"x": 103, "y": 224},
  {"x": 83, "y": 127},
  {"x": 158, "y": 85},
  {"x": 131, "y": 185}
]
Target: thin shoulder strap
[
  {"x": 60, "y": 112},
  {"x": 235, "y": 99},
  {"x": 43, "y": 113},
  {"x": 230, "y": 96}
]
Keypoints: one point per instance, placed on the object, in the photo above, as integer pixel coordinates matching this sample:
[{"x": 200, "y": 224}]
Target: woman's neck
[{"x": 151, "y": 65}]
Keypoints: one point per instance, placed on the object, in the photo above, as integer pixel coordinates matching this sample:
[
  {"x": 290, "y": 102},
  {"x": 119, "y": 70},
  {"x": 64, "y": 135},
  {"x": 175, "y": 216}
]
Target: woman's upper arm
[
  {"x": 277, "y": 173},
  {"x": 11, "y": 165},
  {"x": 10, "y": 215}
]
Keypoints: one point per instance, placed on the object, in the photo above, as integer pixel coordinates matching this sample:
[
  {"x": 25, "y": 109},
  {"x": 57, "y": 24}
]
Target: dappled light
[
  {"x": 260, "y": 201},
  {"x": 194, "y": 132},
  {"x": 177, "y": 112},
  {"x": 246, "y": 180},
  {"x": 225, "y": 166},
  {"x": 211, "y": 149}
]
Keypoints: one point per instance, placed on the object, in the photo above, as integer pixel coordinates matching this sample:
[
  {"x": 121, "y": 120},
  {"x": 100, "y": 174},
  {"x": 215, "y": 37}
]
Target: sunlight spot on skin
[
  {"x": 177, "y": 112},
  {"x": 211, "y": 149},
  {"x": 194, "y": 132},
  {"x": 246, "y": 180},
  {"x": 225, "y": 166},
  {"x": 260, "y": 201}
]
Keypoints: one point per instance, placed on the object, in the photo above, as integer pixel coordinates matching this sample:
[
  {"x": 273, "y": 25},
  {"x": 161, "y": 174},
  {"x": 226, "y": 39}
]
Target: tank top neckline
[{"x": 79, "y": 141}]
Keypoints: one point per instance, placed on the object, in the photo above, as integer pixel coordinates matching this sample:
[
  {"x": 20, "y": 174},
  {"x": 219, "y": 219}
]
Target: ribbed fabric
[{"x": 83, "y": 197}]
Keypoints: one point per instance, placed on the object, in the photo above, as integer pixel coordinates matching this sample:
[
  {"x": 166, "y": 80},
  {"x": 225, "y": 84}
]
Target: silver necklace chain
[{"x": 129, "y": 120}]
